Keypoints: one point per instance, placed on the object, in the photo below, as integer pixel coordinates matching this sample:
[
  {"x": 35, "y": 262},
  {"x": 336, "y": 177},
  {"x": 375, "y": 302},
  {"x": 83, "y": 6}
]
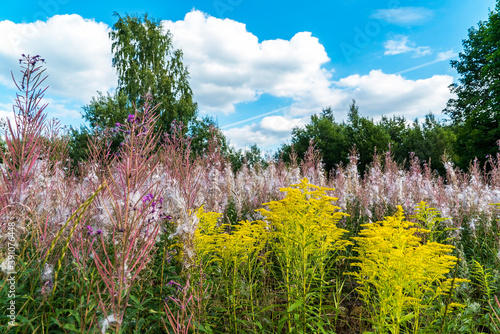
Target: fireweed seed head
[
  {"x": 48, "y": 272},
  {"x": 106, "y": 322},
  {"x": 6, "y": 266}
]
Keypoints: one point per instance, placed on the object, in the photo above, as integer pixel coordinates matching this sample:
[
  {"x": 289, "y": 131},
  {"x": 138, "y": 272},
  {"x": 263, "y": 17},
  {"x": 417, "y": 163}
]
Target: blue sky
[{"x": 259, "y": 67}]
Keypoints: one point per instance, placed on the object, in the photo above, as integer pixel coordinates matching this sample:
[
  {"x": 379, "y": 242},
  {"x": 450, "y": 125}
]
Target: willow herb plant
[
  {"x": 399, "y": 276},
  {"x": 305, "y": 240},
  {"x": 131, "y": 217}
]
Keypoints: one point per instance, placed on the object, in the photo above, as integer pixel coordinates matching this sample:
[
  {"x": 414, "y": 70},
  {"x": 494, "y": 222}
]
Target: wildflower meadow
[{"x": 149, "y": 237}]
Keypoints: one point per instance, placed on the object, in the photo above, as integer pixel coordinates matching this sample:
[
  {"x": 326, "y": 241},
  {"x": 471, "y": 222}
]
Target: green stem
[{"x": 449, "y": 297}]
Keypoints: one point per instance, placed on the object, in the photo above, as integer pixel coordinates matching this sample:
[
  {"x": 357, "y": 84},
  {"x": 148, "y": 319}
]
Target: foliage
[
  {"x": 365, "y": 135},
  {"x": 476, "y": 109},
  {"x": 429, "y": 140},
  {"x": 146, "y": 63},
  {"x": 101, "y": 252},
  {"x": 251, "y": 158},
  {"x": 430, "y": 219},
  {"x": 329, "y": 137},
  {"x": 205, "y": 132},
  {"x": 235, "y": 251}
]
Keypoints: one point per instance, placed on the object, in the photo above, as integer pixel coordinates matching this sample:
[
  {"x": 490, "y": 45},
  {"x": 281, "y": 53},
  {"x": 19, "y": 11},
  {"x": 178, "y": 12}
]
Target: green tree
[
  {"x": 476, "y": 109},
  {"x": 329, "y": 137},
  {"x": 428, "y": 141},
  {"x": 204, "y": 132},
  {"x": 439, "y": 139},
  {"x": 397, "y": 130},
  {"x": 146, "y": 63},
  {"x": 366, "y": 135},
  {"x": 252, "y": 157}
]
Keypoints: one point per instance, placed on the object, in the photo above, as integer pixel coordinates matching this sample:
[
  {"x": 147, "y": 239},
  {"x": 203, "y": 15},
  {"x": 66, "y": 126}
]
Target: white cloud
[
  {"x": 443, "y": 56},
  {"x": 228, "y": 64},
  {"x": 59, "y": 109},
  {"x": 77, "y": 53},
  {"x": 401, "y": 44},
  {"x": 249, "y": 135},
  {"x": 6, "y": 111},
  {"x": 403, "y": 15},
  {"x": 279, "y": 124},
  {"x": 386, "y": 94},
  {"x": 268, "y": 133}
]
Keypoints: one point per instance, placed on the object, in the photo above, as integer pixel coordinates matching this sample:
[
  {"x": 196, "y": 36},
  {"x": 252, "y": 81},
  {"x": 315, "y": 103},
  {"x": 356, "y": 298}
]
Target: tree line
[{"x": 428, "y": 140}]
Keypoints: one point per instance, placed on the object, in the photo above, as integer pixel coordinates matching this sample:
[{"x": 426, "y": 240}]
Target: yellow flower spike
[
  {"x": 399, "y": 276},
  {"x": 306, "y": 241}
]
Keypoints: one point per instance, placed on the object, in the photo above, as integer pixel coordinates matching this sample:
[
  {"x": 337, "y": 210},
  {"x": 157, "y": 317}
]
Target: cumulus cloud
[
  {"x": 401, "y": 44},
  {"x": 380, "y": 94},
  {"x": 245, "y": 136},
  {"x": 62, "y": 110},
  {"x": 228, "y": 65},
  {"x": 77, "y": 52},
  {"x": 279, "y": 124},
  {"x": 403, "y": 15}
]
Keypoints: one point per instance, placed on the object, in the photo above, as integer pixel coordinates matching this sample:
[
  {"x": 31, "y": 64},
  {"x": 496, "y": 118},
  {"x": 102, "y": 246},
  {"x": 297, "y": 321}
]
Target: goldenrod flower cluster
[
  {"x": 231, "y": 243},
  {"x": 400, "y": 276},
  {"x": 306, "y": 218},
  {"x": 305, "y": 242}
]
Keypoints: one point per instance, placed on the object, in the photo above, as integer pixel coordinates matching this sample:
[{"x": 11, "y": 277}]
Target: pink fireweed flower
[
  {"x": 147, "y": 198},
  {"x": 90, "y": 230}
]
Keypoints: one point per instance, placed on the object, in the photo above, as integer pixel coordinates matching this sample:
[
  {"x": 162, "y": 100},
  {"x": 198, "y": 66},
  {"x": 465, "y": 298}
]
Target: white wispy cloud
[
  {"x": 77, "y": 51},
  {"x": 401, "y": 44},
  {"x": 404, "y": 15},
  {"x": 446, "y": 55},
  {"x": 441, "y": 56}
]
